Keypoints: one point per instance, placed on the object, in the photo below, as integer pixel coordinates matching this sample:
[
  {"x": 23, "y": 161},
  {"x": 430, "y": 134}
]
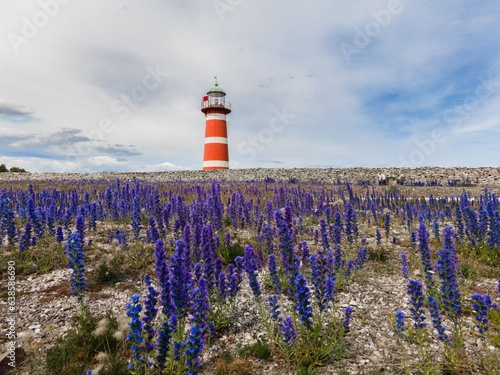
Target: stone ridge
[{"x": 487, "y": 176}]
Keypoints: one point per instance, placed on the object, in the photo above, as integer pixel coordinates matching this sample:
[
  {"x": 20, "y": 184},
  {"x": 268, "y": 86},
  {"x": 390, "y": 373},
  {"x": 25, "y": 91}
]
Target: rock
[
  {"x": 8, "y": 361},
  {"x": 27, "y": 334}
]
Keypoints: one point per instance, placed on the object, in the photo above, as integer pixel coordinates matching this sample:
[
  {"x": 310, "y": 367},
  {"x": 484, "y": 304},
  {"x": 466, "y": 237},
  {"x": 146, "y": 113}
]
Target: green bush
[
  {"x": 3, "y": 168},
  {"x": 76, "y": 353}
]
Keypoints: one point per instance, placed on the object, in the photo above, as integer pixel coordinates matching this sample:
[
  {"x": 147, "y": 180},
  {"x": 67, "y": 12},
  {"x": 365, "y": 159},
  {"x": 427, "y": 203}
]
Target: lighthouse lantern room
[{"x": 215, "y": 108}]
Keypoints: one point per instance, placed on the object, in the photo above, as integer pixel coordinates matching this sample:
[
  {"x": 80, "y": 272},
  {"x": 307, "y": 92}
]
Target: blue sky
[{"x": 116, "y": 85}]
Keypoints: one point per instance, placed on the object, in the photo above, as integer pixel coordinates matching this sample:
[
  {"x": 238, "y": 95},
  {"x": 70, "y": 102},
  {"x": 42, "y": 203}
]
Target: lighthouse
[{"x": 215, "y": 108}]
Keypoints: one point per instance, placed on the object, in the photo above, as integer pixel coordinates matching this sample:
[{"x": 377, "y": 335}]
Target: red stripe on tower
[{"x": 215, "y": 108}]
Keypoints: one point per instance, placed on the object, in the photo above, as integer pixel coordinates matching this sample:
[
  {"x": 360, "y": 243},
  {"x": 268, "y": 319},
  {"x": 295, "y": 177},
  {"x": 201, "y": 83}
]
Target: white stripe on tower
[
  {"x": 216, "y": 140},
  {"x": 215, "y": 163},
  {"x": 215, "y": 116}
]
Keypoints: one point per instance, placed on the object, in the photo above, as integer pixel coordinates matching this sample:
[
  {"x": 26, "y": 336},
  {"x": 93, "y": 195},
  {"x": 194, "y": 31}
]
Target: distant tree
[
  {"x": 3, "y": 168},
  {"x": 17, "y": 169}
]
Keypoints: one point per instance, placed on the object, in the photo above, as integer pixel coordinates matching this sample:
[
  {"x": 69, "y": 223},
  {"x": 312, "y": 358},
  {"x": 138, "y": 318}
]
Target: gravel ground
[
  {"x": 486, "y": 176},
  {"x": 45, "y": 312},
  {"x": 46, "y": 307}
]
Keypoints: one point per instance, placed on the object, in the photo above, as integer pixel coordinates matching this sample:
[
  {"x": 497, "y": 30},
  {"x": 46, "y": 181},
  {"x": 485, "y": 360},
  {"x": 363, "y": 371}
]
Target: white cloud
[{"x": 78, "y": 70}]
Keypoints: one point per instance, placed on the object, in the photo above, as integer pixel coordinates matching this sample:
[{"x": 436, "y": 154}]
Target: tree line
[{"x": 3, "y": 168}]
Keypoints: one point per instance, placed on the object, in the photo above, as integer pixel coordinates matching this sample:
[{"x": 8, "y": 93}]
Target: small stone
[{"x": 26, "y": 334}]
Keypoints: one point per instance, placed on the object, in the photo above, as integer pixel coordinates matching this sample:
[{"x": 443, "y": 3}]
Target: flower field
[{"x": 258, "y": 276}]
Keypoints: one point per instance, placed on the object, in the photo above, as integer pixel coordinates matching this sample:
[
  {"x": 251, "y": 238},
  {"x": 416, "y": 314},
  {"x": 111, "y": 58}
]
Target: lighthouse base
[{"x": 211, "y": 165}]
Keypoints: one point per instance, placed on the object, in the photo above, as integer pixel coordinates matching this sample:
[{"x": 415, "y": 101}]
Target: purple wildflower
[
  {"x": 324, "y": 235},
  {"x": 74, "y": 252},
  {"x": 303, "y": 301},
  {"x": 387, "y": 224},
  {"x": 435, "y": 228},
  {"x": 481, "y": 305},
  {"x": 425, "y": 254},
  {"x": 349, "y": 268},
  {"x": 201, "y": 306},
  {"x": 251, "y": 266},
  {"x": 338, "y": 260},
  {"x": 7, "y": 222},
  {"x": 347, "y": 318},
  {"x": 304, "y": 249},
  {"x": 180, "y": 280},
  {"x": 274, "y": 308},
  {"x": 437, "y": 321},
  {"x": 268, "y": 234},
  {"x": 415, "y": 291},
  {"x": 330, "y": 289},
  {"x": 80, "y": 227},
  {"x": 194, "y": 347},
  {"x": 234, "y": 281},
  {"x": 135, "y": 217},
  {"x": 399, "y": 325},
  {"x": 136, "y": 326},
  {"x": 288, "y": 331},
  {"x": 273, "y": 272},
  {"x": 152, "y": 233},
  {"x": 404, "y": 266},
  {"x": 208, "y": 256},
  {"x": 450, "y": 291},
  {"x": 222, "y": 285},
  {"x": 289, "y": 259},
  {"x": 318, "y": 278},
  {"x": 351, "y": 223},
  {"x": 59, "y": 234},
  {"x": 360, "y": 259},
  {"x": 413, "y": 240},
  {"x": 150, "y": 312},
  {"x": 336, "y": 234}
]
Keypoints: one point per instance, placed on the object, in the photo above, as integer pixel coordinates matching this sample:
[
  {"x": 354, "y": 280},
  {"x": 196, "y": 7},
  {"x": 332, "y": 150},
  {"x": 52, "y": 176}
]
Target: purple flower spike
[
  {"x": 74, "y": 252},
  {"x": 347, "y": 318},
  {"x": 303, "y": 301},
  {"x": 288, "y": 331},
  {"x": 250, "y": 264},
  {"x": 436, "y": 318},
  {"x": 481, "y": 305},
  {"x": 415, "y": 291},
  {"x": 450, "y": 291},
  {"x": 404, "y": 266},
  {"x": 400, "y": 323}
]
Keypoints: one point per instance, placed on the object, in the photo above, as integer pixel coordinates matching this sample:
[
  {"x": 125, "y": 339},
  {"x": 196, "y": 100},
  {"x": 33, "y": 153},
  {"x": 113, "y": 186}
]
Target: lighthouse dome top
[{"x": 216, "y": 90}]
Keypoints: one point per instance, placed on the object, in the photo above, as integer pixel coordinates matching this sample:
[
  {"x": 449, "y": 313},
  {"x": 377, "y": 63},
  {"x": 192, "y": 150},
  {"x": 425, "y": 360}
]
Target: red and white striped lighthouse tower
[{"x": 215, "y": 108}]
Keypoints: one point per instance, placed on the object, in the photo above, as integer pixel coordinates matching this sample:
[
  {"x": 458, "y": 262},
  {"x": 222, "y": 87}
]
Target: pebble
[{"x": 45, "y": 319}]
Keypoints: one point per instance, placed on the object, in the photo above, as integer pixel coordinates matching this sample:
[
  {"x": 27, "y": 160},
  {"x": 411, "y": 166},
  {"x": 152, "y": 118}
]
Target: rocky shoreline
[{"x": 486, "y": 176}]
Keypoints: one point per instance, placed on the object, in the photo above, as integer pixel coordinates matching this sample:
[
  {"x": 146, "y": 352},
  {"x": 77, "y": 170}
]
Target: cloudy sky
[{"x": 116, "y": 85}]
